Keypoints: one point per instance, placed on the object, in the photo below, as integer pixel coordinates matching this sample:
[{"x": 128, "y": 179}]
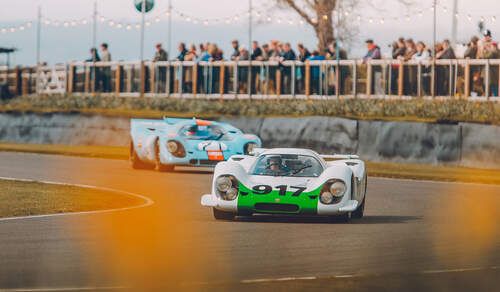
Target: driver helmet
[
  {"x": 190, "y": 130},
  {"x": 274, "y": 160}
]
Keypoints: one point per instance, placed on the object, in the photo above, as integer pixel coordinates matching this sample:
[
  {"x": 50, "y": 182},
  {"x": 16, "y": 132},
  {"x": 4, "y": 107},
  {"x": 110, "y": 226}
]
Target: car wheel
[
  {"x": 134, "y": 158},
  {"x": 358, "y": 214},
  {"x": 222, "y": 215},
  {"x": 158, "y": 165}
]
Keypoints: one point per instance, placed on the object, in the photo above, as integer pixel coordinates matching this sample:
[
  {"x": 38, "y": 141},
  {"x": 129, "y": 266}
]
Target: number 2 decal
[{"x": 265, "y": 189}]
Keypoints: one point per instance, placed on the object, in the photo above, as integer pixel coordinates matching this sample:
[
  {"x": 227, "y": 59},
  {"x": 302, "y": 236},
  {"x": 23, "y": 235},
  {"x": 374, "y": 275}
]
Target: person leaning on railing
[
  {"x": 331, "y": 54},
  {"x": 374, "y": 54},
  {"x": 443, "y": 72},
  {"x": 488, "y": 49},
  {"x": 423, "y": 54},
  {"x": 160, "y": 55}
]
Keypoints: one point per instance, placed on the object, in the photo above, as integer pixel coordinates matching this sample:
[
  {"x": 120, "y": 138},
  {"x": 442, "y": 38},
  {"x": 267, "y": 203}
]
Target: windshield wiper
[{"x": 300, "y": 169}]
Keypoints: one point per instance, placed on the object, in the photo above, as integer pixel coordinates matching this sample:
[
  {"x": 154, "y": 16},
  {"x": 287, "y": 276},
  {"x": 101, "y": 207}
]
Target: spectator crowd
[{"x": 404, "y": 49}]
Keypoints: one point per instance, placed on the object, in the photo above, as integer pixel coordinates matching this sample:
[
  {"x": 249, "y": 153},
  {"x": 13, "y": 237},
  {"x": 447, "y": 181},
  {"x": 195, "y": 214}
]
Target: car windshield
[
  {"x": 287, "y": 165},
  {"x": 202, "y": 132}
]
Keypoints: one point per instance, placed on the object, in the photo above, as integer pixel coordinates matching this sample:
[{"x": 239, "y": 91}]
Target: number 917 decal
[{"x": 266, "y": 189}]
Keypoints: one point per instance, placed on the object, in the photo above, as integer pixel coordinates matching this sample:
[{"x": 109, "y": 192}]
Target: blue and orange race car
[{"x": 163, "y": 144}]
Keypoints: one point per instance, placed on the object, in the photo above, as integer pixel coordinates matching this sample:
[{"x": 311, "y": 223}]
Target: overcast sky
[{"x": 60, "y": 44}]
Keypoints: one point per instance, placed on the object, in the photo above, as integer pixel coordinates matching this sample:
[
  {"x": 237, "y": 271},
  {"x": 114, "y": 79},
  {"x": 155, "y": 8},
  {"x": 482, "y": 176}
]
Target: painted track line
[{"x": 148, "y": 201}]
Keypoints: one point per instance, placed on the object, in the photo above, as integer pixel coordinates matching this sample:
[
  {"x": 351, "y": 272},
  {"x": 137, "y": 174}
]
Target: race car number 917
[{"x": 266, "y": 189}]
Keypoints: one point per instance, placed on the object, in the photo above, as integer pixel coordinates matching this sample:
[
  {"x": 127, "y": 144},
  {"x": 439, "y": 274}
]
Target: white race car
[{"x": 288, "y": 181}]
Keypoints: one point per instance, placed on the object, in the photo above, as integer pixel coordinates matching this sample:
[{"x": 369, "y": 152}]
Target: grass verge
[
  {"x": 418, "y": 109},
  {"x": 19, "y": 198},
  {"x": 378, "y": 169}
]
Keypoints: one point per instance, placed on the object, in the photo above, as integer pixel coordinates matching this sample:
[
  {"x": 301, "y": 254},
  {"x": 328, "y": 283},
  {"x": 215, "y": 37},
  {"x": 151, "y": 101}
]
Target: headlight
[
  {"x": 172, "y": 146},
  {"x": 337, "y": 188},
  {"x": 332, "y": 192},
  {"x": 249, "y": 147},
  {"x": 176, "y": 148},
  {"x": 227, "y": 187}
]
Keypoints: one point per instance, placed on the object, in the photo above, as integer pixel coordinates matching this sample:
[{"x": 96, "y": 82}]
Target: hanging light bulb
[
  {"x": 421, "y": 13},
  {"x": 137, "y": 26},
  {"x": 346, "y": 13},
  {"x": 188, "y": 19},
  {"x": 236, "y": 18},
  {"x": 4, "y": 30},
  {"x": 396, "y": 19},
  {"x": 157, "y": 19},
  {"x": 103, "y": 19},
  {"x": 205, "y": 22},
  {"x": 257, "y": 13},
  {"x": 407, "y": 18},
  {"x": 432, "y": 8},
  {"x": 119, "y": 25},
  {"x": 195, "y": 21},
  {"x": 148, "y": 23},
  {"x": 73, "y": 23},
  {"x": 47, "y": 22},
  {"x": 334, "y": 12},
  {"x": 469, "y": 17},
  {"x": 382, "y": 21},
  {"x": 278, "y": 21},
  {"x": 12, "y": 29},
  {"x": 21, "y": 27},
  {"x": 301, "y": 22},
  {"x": 481, "y": 19},
  {"x": 445, "y": 10},
  {"x": 228, "y": 21},
  {"x": 29, "y": 24},
  {"x": 493, "y": 18},
  {"x": 56, "y": 23},
  {"x": 66, "y": 24},
  {"x": 358, "y": 17},
  {"x": 325, "y": 17},
  {"x": 370, "y": 20},
  {"x": 313, "y": 20},
  {"x": 111, "y": 23},
  {"x": 167, "y": 13},
  {"x": 290, "y": 22},
  {"x": 129, "y": 27},
  {"x": 84, "y": 21},
  {"x": 457, "y": 15},
  {"x": 269, "y": 19}
]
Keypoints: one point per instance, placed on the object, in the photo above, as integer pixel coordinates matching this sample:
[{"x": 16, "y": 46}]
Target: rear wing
[{"x": 339, "y": 156}]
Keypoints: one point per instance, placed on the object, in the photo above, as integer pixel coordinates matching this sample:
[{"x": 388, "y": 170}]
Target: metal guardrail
[{"x": 464, "y": 78}]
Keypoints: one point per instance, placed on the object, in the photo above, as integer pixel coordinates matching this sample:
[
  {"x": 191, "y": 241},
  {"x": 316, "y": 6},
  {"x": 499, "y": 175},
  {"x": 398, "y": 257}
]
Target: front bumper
[{"x": 209, "y": 200}]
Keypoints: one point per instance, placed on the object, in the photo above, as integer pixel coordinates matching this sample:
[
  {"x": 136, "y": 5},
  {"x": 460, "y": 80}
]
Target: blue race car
[{"x": 185, "y": 142}]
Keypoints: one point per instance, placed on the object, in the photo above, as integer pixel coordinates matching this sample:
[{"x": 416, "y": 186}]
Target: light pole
[
  {"x": 170, "y": 28},
  {"x": 250, "y": 48},
  {"x": 454, "y": 22},
  {"x": 434, "y": 50},
  {"x": 143, "y": 73},
  {"x": 94, "y": 44},
  {"x": 38, "y": 34}
]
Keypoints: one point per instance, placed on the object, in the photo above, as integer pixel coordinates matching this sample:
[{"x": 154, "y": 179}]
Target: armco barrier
[{"x": 462, "y": 144}]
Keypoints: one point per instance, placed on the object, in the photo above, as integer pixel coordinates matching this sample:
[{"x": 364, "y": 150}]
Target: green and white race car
[{"x": 288, "y": 181}]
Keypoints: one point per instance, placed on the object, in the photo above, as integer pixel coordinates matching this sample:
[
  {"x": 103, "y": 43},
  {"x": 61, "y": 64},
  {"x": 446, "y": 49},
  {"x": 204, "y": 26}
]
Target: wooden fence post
[
  {"x": 195, "y": 79},
  {"x": 278, "y": 83},
  {"x": 467, "y": 79},
  {"x": 24, "y": 83},
  {"x": 307, "y": 79},
  {"x": 401, "y": 70},
  {"x": 222, "y": 80},
  {"x": 118, "y": 78},
  {"x": 143, "y": 79},
  {"x": 17, "y": 81},
  {"x": 87, "y": 79},
  {"x": 71, "y": 77},
  {"x": 369, "y": 79}
]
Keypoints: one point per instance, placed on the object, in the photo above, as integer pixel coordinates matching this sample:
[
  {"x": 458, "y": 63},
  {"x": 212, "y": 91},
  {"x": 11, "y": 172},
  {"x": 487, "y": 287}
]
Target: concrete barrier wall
[{"x": 464, "y": 144}]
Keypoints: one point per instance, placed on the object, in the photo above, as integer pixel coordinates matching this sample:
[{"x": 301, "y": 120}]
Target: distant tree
[{"x": 319, "y": 14}]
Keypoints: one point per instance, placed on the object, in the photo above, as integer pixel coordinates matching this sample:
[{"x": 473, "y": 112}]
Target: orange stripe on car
[{"x": 203, "y": 123}]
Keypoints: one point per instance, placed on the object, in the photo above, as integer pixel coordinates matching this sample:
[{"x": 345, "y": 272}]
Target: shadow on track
[{"x": 383, "y": 219}]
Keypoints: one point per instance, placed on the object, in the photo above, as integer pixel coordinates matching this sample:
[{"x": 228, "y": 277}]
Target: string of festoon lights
[{"x": 259, "y": 17}]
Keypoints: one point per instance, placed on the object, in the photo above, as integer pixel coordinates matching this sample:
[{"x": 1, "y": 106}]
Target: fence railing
[{"x": 476, "y": 79}]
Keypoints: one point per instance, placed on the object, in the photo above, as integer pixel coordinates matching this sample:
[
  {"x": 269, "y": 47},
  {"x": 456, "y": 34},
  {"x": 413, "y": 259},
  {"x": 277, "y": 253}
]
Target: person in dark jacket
[
  {"x": 443, "y": 72},
  {"x": 287, "y": 55},
  {"x": 94, "y": 71},
  {"x": 182, "y": 52}
]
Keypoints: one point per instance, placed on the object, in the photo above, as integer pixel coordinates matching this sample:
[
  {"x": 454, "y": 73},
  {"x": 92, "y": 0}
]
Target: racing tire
[
  {"x": 358, "y": 214},
  {"x": 223, "y": 215},
  {"x": 136, "y": 162},
  {"x": 158, "y": 165}
]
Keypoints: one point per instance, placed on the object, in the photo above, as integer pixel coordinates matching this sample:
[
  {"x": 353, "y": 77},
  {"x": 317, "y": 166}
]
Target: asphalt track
[{"x": 416, "y": 235}]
